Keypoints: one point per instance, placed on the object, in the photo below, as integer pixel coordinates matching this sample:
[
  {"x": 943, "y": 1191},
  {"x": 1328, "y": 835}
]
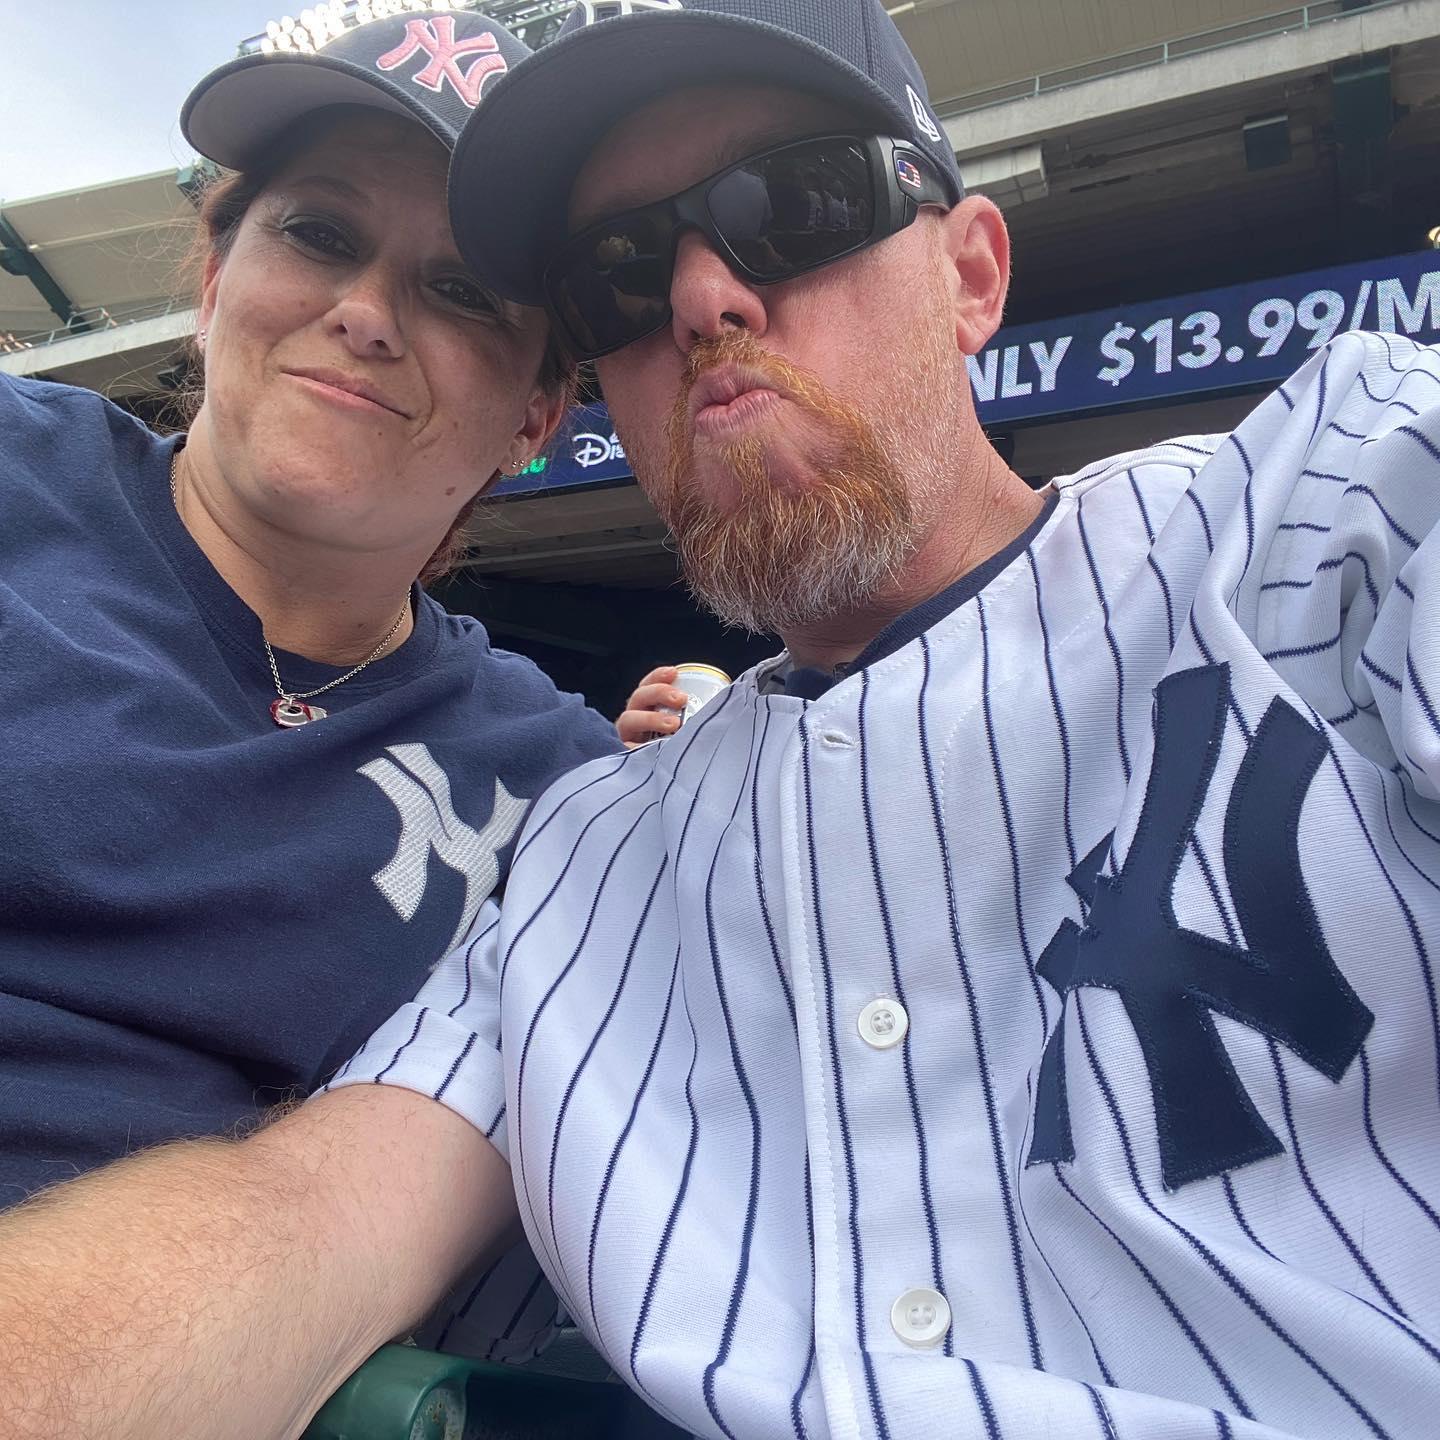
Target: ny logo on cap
[
  {"x": 437, "y": 39},
  {"x": 588, "y": 12},
  {"x": 922, "y": 115}
]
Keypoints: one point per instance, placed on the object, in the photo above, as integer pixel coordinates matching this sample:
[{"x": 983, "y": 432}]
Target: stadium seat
[{"x": 402, "y": 1393}]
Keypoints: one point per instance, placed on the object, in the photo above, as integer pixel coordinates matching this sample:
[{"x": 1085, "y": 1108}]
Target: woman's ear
[
  {"x": 208, "y": 289},
  {"x": 976, "y": 247},
  {"x": 543, "y": 413}
]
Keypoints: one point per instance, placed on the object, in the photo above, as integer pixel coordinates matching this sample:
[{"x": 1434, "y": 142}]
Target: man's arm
[{"x": 226, "y": 1289}]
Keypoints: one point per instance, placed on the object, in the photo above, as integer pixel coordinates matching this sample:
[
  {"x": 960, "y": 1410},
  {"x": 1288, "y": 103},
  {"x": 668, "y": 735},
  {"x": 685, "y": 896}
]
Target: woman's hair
[{"x": 223, "y": 205}]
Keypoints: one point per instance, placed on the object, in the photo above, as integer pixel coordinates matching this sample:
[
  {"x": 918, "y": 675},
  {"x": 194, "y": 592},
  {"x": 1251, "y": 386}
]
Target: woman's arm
[{"x": 226, "y": 1289}]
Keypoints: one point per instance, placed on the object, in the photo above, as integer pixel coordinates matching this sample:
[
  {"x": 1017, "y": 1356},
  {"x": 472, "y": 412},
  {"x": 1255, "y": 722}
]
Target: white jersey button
[
  {"x": 921, "y": 1317},
  {"x": 883, "y": 1023}
]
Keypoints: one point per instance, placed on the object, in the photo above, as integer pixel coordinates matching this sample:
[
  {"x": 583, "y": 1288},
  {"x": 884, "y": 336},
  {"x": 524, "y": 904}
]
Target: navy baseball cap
[
  {"x": 613, "y": 56},
  {"x": 432, "y": 66}
]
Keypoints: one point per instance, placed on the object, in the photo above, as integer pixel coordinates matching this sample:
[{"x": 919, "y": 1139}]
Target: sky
[{"x": 90, "y": 90}]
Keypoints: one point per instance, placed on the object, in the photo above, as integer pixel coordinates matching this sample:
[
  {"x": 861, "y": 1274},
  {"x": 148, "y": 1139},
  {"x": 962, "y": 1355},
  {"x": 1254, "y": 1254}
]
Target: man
[{"x": 1009, "y": 1014}]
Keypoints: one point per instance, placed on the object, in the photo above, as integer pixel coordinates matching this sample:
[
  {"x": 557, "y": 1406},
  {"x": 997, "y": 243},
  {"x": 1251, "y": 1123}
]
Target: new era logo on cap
[{"x": 923, "y": 117}]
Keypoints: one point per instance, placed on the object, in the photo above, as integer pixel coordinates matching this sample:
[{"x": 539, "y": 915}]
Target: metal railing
[
  {"x": 1164, "y": 52},
  {"x": 87, "y": 322}
]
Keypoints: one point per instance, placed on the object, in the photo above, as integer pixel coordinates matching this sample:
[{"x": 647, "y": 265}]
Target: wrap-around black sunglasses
[{"x": 770, "y": 217}]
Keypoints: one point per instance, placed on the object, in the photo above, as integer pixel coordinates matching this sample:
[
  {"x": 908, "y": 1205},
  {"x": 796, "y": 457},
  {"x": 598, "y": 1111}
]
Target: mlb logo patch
[{"x": 908, "y": 173}]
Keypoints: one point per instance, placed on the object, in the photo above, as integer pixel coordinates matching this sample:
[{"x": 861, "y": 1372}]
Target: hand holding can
[{"x": 701, "y": 684}]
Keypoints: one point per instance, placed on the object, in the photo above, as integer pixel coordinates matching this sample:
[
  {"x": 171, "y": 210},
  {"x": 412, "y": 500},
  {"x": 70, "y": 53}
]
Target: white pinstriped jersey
[{"x": 1143, "y": 844}]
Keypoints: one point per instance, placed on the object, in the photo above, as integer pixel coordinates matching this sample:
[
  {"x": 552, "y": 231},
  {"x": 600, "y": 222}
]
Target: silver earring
[{"x": 200, "y": 335}]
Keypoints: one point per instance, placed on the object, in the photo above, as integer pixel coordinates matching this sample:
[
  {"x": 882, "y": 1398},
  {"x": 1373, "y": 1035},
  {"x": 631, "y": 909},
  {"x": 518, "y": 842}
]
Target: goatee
[{"x": 781, "y": 557}]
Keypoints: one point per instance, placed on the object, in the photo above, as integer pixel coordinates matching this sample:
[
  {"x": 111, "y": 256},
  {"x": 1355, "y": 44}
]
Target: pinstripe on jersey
[{"x": 1160, "y": 1197}]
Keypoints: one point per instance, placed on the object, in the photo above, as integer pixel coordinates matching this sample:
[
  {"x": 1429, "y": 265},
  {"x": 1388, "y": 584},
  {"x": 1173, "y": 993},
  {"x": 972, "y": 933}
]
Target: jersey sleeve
[
  {"x": 445, "y": 1043},
  {"x": 1353, "y": 569},
  {"x": 1394, "y": 500}
]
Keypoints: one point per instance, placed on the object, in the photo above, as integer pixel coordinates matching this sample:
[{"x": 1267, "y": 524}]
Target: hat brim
[
  {"x": 237, "y": 111},
  {"x": 517, "y": 158}
]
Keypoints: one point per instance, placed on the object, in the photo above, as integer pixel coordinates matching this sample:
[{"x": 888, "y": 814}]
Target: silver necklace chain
[
  {"x": 285, "y": 694},
  {"x": 289, "y": 699}
]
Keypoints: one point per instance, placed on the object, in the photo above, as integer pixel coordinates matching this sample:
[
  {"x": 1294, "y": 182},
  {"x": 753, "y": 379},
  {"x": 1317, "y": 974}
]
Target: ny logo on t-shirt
[{"x": 420, "y": 790}]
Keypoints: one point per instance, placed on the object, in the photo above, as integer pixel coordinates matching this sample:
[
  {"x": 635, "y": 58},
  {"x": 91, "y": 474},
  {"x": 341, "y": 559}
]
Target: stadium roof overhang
[{"x": 88, "y": 260}]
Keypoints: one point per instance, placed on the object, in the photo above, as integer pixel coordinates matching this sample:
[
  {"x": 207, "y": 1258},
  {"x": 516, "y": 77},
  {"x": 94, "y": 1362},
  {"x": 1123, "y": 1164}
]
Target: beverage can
[{"x": 702, "y": 683}]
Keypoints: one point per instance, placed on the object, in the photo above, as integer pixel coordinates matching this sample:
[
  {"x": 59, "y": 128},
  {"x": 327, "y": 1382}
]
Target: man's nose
[{"x": 707, "y": 297}]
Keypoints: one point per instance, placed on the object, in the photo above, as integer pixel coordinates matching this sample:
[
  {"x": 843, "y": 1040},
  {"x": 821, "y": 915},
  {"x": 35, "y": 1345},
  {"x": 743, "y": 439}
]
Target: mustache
[
  {"x": 740, "y": 347},
  {"x": 732, "y": 347}
]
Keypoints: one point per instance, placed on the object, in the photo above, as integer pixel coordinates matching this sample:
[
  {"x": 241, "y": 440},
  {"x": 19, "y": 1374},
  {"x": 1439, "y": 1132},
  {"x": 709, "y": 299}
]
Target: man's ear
[{"x": 977, "y": 249}]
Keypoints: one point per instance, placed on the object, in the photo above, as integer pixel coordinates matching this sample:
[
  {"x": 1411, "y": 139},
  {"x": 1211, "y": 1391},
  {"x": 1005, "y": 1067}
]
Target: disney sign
[
  {"x": 586, "y": 452},
  {"x": 590, "y": 449}
]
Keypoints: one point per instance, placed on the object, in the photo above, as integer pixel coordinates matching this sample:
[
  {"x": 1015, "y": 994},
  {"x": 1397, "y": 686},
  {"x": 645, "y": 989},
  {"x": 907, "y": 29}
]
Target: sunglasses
[{"x": 769, "y": 217}]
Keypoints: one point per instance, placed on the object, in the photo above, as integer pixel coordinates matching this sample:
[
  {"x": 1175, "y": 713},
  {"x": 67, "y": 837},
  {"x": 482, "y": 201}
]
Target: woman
[{"x": 256, "y": 782}]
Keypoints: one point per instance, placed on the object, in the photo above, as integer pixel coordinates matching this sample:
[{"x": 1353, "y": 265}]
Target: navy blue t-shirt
[{"x": 201, "y": 913}]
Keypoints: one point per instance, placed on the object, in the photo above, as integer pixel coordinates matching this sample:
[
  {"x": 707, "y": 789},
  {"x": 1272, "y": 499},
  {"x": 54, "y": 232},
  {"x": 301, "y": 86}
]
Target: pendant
[{"x": 289, "y": 713}]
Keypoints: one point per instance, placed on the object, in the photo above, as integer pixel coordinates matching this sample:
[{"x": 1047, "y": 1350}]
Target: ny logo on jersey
[
  {"x": 436, "y": 38},
  {"x": 420, "y": 790},
  {"x": 1171, "y": 981}
]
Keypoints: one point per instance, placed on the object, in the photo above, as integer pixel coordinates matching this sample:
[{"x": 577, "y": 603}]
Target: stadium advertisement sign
[
  {"x": 1183, "y": 347},
  {"x": 1199, "y": 344}
]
